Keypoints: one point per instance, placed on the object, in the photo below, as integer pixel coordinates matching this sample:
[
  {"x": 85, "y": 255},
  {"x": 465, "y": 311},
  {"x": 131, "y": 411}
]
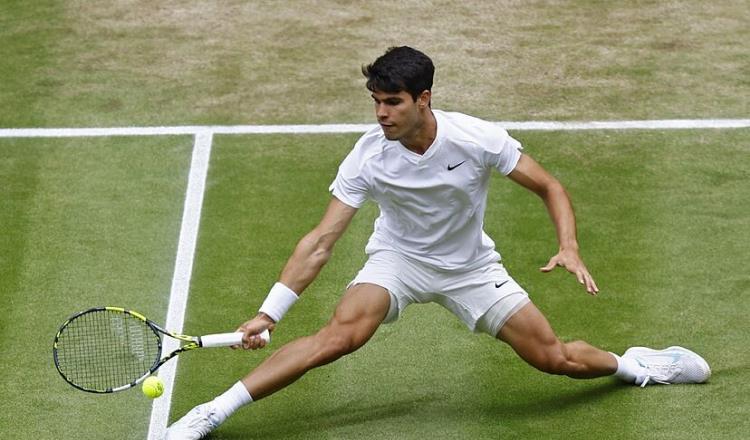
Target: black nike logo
[
  {"x": 453, "y": 167},
  {"x": 501, "y": 284}
]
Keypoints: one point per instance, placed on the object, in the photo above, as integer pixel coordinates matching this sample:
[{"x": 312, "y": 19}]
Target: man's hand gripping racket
[{"x": 254, "y": 330}]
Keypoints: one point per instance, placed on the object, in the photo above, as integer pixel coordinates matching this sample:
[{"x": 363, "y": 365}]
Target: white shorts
[{"x": 482, "y": 298}]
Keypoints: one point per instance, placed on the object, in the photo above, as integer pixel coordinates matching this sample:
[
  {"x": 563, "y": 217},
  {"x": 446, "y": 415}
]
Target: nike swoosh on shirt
[
  {"x": 501, "y": 284},
  {"x": 453, "y": 167}
]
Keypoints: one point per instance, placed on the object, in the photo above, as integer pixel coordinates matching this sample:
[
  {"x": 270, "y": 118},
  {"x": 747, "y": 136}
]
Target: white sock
[
  {"x": 627, "y": 369},
  {"x": 232, "y": 400}
]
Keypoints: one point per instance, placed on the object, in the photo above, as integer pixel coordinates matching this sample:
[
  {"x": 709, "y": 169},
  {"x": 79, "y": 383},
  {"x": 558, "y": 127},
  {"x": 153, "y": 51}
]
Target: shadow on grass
[
  {"x": 300, "y": 424},
  {"x": 545, "y": 402},
  {"x": 532, "y": 404}
]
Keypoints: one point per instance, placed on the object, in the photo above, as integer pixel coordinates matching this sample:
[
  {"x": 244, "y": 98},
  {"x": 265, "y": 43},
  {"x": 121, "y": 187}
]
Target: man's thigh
[
  {"x": 394, "y": 274},
  {"x": 361, "y": 311}
]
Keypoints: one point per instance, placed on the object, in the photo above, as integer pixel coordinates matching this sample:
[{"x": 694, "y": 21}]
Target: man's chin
[{"x": 390, "y": 135}]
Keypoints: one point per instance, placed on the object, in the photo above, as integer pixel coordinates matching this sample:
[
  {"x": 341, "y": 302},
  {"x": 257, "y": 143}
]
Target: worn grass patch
[{"x": 138, "y": 62}]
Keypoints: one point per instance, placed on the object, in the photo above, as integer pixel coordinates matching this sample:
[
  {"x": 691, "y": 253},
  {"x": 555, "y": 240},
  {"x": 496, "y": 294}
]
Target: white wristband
[{"x": 279, "y": 300}]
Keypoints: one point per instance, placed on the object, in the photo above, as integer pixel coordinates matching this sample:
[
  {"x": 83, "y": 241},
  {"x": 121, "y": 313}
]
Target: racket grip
[{"x": 229, "y": 339}]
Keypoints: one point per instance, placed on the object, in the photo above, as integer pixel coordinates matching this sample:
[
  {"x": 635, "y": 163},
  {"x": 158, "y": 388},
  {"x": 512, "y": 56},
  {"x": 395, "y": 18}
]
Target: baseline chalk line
[{"x": 657, "y": 124}]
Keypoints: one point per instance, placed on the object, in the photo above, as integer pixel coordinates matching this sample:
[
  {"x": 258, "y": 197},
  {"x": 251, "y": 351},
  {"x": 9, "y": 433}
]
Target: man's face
[{"x": 397, "y": 113}]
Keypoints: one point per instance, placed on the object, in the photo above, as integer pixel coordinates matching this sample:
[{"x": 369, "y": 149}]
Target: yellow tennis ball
[{"x": 153, "y": 387}]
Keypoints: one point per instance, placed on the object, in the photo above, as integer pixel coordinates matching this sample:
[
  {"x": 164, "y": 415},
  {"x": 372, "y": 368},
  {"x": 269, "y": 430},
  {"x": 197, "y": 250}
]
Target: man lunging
[{"x": 429, "y": 173}]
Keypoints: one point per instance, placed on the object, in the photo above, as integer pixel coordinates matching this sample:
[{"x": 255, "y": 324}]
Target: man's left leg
[
  {"x": 528, "y": 332},
  {"x": 530, "y": 335}
]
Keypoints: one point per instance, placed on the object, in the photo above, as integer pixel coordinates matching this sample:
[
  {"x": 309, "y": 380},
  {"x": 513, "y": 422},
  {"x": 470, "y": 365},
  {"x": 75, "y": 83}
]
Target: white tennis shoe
[
  {"x": 194, "y": 425},
  {"x": 669, "y": 366}
]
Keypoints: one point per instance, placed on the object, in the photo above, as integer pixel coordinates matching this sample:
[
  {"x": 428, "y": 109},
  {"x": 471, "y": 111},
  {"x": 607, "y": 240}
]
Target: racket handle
[{"x": 229, "y": 339}]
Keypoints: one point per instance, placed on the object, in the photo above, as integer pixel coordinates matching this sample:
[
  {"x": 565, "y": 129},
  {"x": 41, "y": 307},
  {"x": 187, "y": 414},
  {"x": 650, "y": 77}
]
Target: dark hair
[{"x": 400, "y": 69}]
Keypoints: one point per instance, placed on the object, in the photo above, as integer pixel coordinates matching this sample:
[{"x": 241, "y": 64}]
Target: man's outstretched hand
[{"x": 572, "y": 262}]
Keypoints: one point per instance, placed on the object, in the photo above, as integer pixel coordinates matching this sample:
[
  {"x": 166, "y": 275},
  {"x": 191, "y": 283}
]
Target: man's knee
[
  {"x": 339, "y": 342},
  {"x": 357, "y": 317},
  {"x": 333, "y": 342}
]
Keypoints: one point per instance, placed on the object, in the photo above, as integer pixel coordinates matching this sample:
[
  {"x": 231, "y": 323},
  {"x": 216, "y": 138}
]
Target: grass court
[{"x": 663, "y": 215}]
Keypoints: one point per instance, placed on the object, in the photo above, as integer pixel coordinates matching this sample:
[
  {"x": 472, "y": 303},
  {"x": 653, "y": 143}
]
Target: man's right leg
[{"x": 358, "y": 315}]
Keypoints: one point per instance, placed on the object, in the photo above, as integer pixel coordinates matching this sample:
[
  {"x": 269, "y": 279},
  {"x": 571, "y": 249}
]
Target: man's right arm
[
  {"x": 312, "y": 253},
  {"x": 314, "y": 249}
]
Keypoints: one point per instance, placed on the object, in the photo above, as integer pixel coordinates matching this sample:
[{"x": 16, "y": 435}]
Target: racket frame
[{"x": 190, "y": 343}]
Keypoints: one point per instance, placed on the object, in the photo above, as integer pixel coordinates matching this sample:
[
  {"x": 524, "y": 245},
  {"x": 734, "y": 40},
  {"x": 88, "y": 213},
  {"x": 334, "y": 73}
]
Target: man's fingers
[
  {"x": 590, "y": 284},
  {"x": 574, "y": 265},
  {"x": 550, "y": 265},
  {"x": 252, "y": 331},
  {"x": 253, "y": 339},
  {"x": 253, "y": 342},
  {"x": 249, "y": 341},
  {"x": 239, "y": 329}
]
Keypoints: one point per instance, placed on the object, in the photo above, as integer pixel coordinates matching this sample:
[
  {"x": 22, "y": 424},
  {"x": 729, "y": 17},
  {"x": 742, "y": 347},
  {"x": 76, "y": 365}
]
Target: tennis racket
[{"x": 109, "y": 349}]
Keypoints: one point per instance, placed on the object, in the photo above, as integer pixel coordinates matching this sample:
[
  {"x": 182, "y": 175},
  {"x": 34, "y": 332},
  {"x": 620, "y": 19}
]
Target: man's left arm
[{"x": 529, "y": 174}]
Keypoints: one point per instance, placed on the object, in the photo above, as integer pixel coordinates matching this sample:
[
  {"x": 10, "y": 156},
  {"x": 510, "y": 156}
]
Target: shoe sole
[{"x": 635, "y": 351}]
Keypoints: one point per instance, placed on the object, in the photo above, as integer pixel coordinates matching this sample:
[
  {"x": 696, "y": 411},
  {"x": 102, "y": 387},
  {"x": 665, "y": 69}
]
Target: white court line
[
  {"x": 663, "y": 124},
  {"x": 178, "y": 296}
]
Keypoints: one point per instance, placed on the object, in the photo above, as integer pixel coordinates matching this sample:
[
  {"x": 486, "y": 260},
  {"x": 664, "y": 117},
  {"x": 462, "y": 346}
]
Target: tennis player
[{"x": 429, "y": 173}]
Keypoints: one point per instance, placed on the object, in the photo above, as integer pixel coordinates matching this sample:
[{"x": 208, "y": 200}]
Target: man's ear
[{"x": 424, "y": 99}]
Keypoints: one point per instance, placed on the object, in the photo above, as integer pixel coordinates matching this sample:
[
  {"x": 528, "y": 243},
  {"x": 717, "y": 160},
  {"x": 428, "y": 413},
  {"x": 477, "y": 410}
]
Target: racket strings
[{"x": 104, "y": 349}]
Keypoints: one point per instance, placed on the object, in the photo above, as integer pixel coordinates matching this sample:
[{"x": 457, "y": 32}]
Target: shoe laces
[{"x": 660, "y": 373}]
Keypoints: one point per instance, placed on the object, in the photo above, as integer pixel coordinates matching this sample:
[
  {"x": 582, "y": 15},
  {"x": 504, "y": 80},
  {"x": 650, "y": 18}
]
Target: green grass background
[{"x": 663, "y": 216}]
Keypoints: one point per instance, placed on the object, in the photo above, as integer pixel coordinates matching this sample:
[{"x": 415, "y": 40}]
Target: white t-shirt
[{"x": 432, "y": 205}]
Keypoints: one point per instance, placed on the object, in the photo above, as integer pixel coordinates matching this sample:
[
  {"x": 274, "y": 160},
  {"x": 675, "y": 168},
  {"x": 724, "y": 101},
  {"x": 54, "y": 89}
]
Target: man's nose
[{"x": 381, "y": 111}]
